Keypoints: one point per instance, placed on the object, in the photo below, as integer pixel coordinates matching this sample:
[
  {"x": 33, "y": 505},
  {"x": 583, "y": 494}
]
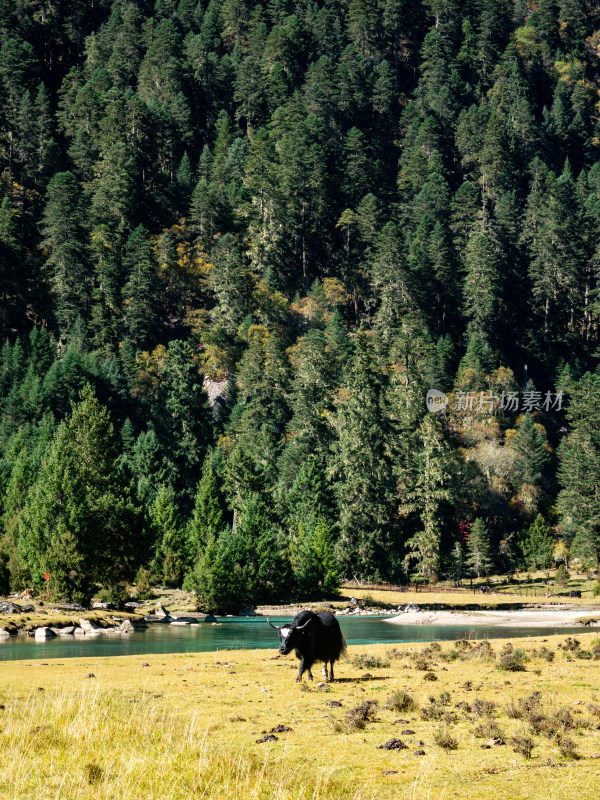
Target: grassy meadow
[{"x": 184, "y": 726}]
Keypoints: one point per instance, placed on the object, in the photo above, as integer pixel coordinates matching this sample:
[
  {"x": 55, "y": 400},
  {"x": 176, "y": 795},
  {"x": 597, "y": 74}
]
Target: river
[{"x": 243, "y": 633}]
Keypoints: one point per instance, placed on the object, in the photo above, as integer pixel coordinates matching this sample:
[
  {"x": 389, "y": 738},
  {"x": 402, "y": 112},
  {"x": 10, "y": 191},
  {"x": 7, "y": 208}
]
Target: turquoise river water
[{"x": 245, "y": 633}]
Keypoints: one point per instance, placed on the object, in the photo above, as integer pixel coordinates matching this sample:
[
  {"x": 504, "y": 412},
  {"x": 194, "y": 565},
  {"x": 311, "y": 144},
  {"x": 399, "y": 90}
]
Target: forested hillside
[{"x": 317, "y": 210}]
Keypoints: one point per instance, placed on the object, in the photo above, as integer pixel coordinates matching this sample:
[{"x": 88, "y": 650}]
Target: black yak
[{"x": 314, "y": 637}]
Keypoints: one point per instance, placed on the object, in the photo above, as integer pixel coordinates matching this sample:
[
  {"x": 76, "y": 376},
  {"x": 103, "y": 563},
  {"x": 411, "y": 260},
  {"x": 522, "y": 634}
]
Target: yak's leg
[
  {"x": 324, "y": 670},
  {"x": 331, "y": 671},
  {"x": 300, "y": 671},
  {"x": 309, "y": 673}
]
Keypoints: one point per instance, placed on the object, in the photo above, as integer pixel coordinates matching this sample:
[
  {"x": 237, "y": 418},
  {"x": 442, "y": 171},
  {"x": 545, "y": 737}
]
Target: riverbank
[
  {"x": 234, "y": 724},
  {"x": 175, "y": 607},
  {"x": 532, "y": 617}
]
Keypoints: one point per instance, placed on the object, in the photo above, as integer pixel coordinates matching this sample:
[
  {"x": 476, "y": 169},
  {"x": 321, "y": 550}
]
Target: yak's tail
[{"x": 344, "y": 649}]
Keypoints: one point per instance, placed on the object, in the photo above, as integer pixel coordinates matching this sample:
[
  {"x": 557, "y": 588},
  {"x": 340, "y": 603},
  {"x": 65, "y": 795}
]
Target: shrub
[
  {"x": 596, "y": 589},
  {"x": 356, "y": 718},
  {"x": 422, "y": 662},
  {"x": 443, "y": 738},
  {"x": 65, "y": 567},
  {"x": 483, "y": 708},
  {"x": 562, "y": 576},
  {"x": 567, "y": 748},
  {"x": 437, "y": 706},
  {"x": 401, "y": 700},
  {"x": 142, "y": 582},
  {"x": 511, "y": 659},
  {"x": 172, "y": 572},
  {"x": 563, "y": 718},
  {"x": 488, "y": 730},
  {"x": 394, "y": 653},
  {"x": 462, "y": 644},
  {"x": 369, "y": 662},
  {"x": 450, "y": 655},
  {"x": 523, "y": 744},
  {"x": 482, "y": 650},
  {"x": 115, "y": 593},
  {"x": 430, "y": 676},
  {"x": 518, "y": 709},
  {"x": 93, "y": 773},
  {"x": 4, "y": 574},
  {"x": 570, "y": 645},
  {"x": 540, "y": 724},
  {"x": 547, "y": 655}
]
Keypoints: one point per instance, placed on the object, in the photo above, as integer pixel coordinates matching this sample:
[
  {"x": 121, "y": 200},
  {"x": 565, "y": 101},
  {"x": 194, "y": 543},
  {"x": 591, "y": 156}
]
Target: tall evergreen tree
[
  {"x": 364, "y": 484},
  {"x": 579, "y": 471},
  {"x": 64, "y": 239},
  {"x": 79, "y": 492},
  {"x": 478, "y": 549}
]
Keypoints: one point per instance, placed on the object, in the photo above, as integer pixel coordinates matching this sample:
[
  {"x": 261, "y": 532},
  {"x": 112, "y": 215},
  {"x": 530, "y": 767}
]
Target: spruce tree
[
  {"x": 579, "y": 471},
  {"x": 538, "y": 544},
  {"x": 79, "y": 491},
  {"x": 478, "y": 558},
  {"x": 364, "y": 485},
  {"x": 64, "y": 240},
  {"x": 208, "y": 518},
  {"x": 428, "y": 496}
]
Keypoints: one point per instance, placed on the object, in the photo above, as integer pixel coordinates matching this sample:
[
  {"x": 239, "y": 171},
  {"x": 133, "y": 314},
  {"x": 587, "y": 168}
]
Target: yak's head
[{"x": 289, "y": 636}]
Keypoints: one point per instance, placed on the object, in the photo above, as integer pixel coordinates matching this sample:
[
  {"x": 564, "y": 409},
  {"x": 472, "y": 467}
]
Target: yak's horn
[
  {"x": 301, "y": 627},
  {"x": 271, "y": 624}
]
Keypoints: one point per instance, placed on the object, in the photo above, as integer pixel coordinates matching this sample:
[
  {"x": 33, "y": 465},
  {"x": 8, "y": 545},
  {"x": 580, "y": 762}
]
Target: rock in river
[
  {"x": 44, "y": 633},
  {"x": 89, "y": 626}
]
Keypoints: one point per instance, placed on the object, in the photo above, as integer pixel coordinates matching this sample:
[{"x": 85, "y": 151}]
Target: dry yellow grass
[
  {"x": 186, "y": 726},
  {"x": 461, "y": 599}
]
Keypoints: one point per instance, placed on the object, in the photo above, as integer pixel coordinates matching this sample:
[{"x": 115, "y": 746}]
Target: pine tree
[
  {"x": 186, "y": 424},
  {"x": 478, "y": 549},
  {"x": 530, "y": 444},
  {"x": 66, "y": 569},
  {"x": 140, "y": 293},
  {"x": 538, "y": 544},
  {"x": 167, "y": 531},
  {"x": 481, "y": 289},
  {"x": 63, "y": 239},
  {"x": 457, "y": 563},
  {"x": 10, "y": 252},
  {"x": 79, "y": 492},
  {"x": 208, "y": 518},
  {"x": 362, "y": 462},
  {"x": 428, "y": 496},
  {"x": 579, "y": 471}
]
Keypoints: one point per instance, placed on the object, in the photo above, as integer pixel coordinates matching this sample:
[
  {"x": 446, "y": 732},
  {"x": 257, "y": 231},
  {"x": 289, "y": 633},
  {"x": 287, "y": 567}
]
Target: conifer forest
[{"x": 240, "y": 242}]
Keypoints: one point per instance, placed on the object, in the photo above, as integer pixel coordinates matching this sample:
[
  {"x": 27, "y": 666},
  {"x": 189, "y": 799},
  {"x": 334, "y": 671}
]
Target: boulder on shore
[
  {"x": 8, "y": 607},
  {"x": 44, "y": 633},
  {"x": 126, "y": 627},
  {"x": 69, "y": 630},
  {"x": 89, "y": 626}
]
